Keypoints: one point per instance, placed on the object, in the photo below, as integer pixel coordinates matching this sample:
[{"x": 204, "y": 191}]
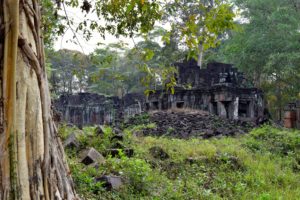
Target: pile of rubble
[
  {"x": 89, "y": 156},
  {"x": 191, "y": 123}
]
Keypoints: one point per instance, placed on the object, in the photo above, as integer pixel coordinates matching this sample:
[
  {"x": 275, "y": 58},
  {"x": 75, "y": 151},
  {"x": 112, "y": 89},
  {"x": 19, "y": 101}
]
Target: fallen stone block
[
  {"x": 71, "y": 142},
  {"x": 90, "y": 156},
  {"x": 110, "y": 182},
  {"x": 117, "y": 131},
  {"x": 99, "y": 130}
]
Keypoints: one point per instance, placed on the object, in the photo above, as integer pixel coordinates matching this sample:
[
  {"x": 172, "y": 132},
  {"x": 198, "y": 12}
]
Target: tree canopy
[
  {"x": 267, "y": 48},
  {"x": 258, "y": 36}
]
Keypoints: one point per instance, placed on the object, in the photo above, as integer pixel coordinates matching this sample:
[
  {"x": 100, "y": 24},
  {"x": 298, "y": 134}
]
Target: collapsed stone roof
[{"x": 214, "y": 74}]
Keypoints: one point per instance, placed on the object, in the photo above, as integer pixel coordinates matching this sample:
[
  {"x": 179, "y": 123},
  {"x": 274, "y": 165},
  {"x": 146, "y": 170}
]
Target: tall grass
[{"x": 264, "y": 164}]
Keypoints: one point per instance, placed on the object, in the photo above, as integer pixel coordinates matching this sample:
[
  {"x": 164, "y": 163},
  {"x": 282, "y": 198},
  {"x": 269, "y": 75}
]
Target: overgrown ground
[{"x": 264, "y": 164}]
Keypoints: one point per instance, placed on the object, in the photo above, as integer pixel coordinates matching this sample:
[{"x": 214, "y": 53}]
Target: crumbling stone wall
[
  {"x": 189, "y": 74},
  {"x": 227, "y": 102},
  {"x": 88, "y": 109},
  {"x": 219, "y": 89}
]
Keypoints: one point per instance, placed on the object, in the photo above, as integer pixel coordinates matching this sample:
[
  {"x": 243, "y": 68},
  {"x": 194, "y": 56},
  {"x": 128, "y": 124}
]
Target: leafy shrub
[
  {"x": 141, "y": 119},
  {"x": 65, "y": 131},
  {"x": 84, "y": 178},
  {"x": 279, "y": 141},
  {"x": 138, "y": 172}
]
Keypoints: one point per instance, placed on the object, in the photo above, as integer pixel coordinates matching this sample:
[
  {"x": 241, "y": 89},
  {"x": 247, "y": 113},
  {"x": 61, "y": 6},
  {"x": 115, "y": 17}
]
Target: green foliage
[
  {"x": 83, "y": 179},
  {"x": 142, "y": 119},
  {"x": 113, "y": 70},
  {"x": 51, "y": 22},
  {"x": 148, "y": 66},
  {"x": 276, "y": 141},
  {"x": 137, "y": 172},
  {"x": 261, "y": 165},
  {"x": 126, "y": 17},
  {"x": 65, "y": 131},
  {"x": 68, "y": 73},
  {"x": 266, "y": 49},
  {"x": 122, "y": 18},
  {"x": 200, "y": 24},
  {"x": 91, "y": 139}
]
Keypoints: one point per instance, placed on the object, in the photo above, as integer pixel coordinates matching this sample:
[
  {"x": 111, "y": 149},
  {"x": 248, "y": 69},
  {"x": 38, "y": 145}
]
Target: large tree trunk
[{"x": 32, "y": 163}]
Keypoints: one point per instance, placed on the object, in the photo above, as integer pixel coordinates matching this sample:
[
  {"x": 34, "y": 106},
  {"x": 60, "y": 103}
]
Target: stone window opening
[
  {"x": 155, "y": 105},
  {"x": 244, "y": 108},
  {"x": 147, "y": 106},
  {"x": 226, "y": 106},
  {"x": 215, "y": 108},
  {"x": 164, "y": 105},
  {"x": 180, "y": 104}
]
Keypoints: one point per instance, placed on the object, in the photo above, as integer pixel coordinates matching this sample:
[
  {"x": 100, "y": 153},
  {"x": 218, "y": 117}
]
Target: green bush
[
  {"x": 141, "y": 119},
  {"x": 137, "y": 172},
  {"x": 274, "y": 140}
]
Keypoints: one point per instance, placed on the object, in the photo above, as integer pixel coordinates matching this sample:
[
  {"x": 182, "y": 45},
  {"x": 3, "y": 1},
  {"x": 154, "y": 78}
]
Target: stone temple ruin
[{"x": 219, "y": 89}]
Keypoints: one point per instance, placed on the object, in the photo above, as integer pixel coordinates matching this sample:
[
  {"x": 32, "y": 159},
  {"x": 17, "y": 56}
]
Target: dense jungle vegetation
[
  {"x": 260, "y": 37},
  {"x": 257, "y": 36}
]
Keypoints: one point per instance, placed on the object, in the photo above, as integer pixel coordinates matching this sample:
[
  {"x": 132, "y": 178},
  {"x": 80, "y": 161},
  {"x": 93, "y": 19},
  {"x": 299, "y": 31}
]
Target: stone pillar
[
  {"x": 173, "y": 102},
  {"x": 221, "y": 109},
  {"x": 251, "y": 109},
  {"x": 236, "y": 109},
  {"x": 140, "y": 107},
  {"x": 67, "y": 114},
  {"x": 210, "y": 108}
]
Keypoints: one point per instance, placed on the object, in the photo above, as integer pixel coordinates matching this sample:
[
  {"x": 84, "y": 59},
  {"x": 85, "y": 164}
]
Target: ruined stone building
[{"x": 219, "y": 89}]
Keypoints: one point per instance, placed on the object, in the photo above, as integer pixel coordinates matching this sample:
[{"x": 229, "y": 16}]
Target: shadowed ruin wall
[
  {"x": 89, "y": 109},
  {"x": 227, "y": 102},
  {"x": 219, "y": 89}
]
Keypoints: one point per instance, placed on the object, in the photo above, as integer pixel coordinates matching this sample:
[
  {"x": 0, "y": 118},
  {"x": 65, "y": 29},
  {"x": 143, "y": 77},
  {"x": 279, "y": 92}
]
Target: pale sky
[{"x": 88, "y": 46}]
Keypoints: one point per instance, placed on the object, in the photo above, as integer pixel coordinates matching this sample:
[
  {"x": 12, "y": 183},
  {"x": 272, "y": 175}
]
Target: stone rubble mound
[{"x": 190, "y": 123}]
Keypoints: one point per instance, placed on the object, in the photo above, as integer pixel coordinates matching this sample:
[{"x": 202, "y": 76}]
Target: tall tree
[
  {"x": 68, "y": 72},
  {"x": 267, "y": 48},
  {"x": 32, "y": 164},
  {"x": 200, "y": 23},
  {"x": 32, "y": 158}
]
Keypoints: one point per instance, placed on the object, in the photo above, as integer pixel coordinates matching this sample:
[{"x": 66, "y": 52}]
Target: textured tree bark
[{"x": 32, "y": 161}]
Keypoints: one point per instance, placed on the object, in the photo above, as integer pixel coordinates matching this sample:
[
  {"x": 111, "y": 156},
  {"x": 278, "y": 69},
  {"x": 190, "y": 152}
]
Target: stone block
[
  {"x": 90, "y": 156},
  {"x": 99, "y": 130},
  {"x": 117, "y": 131},
  {"x": 110, "y": 182},
  {"x": 71, "y": 141}
]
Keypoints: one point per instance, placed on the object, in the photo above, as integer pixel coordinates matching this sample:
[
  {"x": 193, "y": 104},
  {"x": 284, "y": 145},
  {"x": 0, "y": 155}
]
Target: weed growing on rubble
[{"x": 263, "y": 164}]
